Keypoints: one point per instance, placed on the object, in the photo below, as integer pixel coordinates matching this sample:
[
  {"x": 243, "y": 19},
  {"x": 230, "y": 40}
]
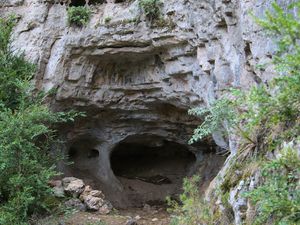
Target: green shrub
[
  {"x": 107, "y": 19},
  {"x": 192, "y": 209},
  {"x": 151, "y": 8},
  {"x": 25, "y": 138},
  {"x": 214, "y": 118},
  {"x": 79, "y": 15},
  {"x": 278, "y": 198}
]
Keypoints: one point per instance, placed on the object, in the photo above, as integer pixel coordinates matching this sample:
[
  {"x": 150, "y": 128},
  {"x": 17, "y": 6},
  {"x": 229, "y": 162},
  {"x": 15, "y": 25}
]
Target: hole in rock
[
  {"x": 95, "y": 2},
  {"x": 120, "y": 1},
  {"x": 77, "y": 3},
  {"x": 150, "y": 170},
  {"x": 84, "y": 157},
  {"x": 93, "y": 153}
]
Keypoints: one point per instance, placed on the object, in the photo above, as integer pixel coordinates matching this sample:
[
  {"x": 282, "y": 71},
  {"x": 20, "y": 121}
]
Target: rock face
[{"x": 136, "y": 79}]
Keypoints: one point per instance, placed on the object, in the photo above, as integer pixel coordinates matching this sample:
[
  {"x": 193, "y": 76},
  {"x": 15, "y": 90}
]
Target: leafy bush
[
  {"x": 193, "y": 209},
  {"x": 25, "y": 162},
  {"x": 79, "y": 15},
  {"x": 214, "y": 118},
  {"x": 278, "y": 198},
  {"x": 151, "y": 8}
]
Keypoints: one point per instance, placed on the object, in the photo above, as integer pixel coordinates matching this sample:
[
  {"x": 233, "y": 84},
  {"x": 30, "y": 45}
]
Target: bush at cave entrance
[{"x": 25, "y": 137}]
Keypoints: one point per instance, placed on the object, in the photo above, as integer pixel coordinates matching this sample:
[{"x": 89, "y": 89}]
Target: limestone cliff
[{"x": 136, "y": 79}]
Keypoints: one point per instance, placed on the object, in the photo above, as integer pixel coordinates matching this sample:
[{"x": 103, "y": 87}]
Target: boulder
[
  {"x": 94, "y": 200},
  {"x": 73, "y": 186},
  {"x": 93, "y": 203}
]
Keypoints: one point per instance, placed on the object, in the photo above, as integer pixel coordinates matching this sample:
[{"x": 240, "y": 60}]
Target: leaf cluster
[
  {"x": 214, "y": 117},
  {"x": 151, "y": 8},
  {"x": 278, "y": 198},
  {"x": 193, "y": 209},
  {"x": 79, "y": 15}
]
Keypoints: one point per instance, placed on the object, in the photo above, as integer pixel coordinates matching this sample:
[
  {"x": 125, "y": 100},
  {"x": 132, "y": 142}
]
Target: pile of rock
[{"x": 84, "y": 198}]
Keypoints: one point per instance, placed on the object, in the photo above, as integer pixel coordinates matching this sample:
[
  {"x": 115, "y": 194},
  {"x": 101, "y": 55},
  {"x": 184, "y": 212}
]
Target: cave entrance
[{"x": 151, "y": 169}]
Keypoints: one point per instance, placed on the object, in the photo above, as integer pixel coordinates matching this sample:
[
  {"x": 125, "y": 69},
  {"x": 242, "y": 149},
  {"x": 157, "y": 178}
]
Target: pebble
[
  {"x": 131, "y": 222},
  {"x": 137, "y": 217}
]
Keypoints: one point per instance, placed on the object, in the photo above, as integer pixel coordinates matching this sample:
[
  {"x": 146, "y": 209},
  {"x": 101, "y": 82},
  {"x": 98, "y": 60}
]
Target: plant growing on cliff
[
  {"x": 25, "y": 162},
  {"x": 193, "y": 209},
  {"x": 151, "y": 8},
  {"x": 278, "y": 198},
  {"x": 267, "y": 116},
  {"x": 79, "y": 15},
  {"x": 215, "y": 116}
]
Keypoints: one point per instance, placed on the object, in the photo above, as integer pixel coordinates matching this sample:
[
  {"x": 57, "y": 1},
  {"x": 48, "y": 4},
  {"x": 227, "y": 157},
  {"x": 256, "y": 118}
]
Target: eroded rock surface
[{"x": 135, "y": 79}]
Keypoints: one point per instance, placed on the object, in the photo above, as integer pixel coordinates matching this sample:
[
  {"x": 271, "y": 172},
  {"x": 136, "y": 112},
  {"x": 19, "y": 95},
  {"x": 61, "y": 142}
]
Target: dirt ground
[{"x": 143, "y": 217}]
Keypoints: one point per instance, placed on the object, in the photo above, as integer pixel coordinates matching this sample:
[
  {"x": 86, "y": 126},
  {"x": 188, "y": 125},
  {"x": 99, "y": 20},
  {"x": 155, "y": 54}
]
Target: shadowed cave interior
[{"x": 149, "y": 168}]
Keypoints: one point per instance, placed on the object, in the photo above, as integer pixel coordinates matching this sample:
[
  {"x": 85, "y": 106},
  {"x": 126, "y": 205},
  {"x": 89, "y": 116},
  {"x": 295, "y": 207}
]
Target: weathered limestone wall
[{"x": 137, "y": 78}]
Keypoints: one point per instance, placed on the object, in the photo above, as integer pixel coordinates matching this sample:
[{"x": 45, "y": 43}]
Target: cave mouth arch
[
  {"x": 151, "y": 168},
  {"x": 84, "y": 156}
]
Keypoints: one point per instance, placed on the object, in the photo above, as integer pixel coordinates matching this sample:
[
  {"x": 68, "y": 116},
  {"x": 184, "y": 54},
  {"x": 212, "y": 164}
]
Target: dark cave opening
[
  {"x": 84, "y": 157},
  {"x": 77, "y": 3},
  {"x": 151, "y": 171},
  {"x": 95, "y": 2},
  {"x": 141, "y": 169}
]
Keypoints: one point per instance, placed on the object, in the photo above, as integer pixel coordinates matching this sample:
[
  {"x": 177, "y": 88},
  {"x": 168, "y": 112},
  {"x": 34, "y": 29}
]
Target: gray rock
[
  {"x": 75, "y": 204},
  {"x": 131, "y": 221},
  {"x": 73, "y": 186}
]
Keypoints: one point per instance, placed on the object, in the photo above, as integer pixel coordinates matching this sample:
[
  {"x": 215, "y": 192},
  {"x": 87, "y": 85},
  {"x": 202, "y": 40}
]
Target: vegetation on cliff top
[
  {"x": 79, "y": 15},
  {"x": 151, "y": 8}
]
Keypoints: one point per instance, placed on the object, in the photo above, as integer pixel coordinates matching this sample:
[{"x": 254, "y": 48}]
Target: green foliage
[
  {"x": 79, "y": 15},
  {"x": 194, "y": 210},
  {"x": 25, "y": 137},
  {"x": 15, "y": 72},
  {"x": 278, "y": 198},
  {"x": 151, "y": 8},
  {"x": 107, "y": 19},
  {"x": 214, "y": 117},
  {"x": 285, "y": 26}
]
